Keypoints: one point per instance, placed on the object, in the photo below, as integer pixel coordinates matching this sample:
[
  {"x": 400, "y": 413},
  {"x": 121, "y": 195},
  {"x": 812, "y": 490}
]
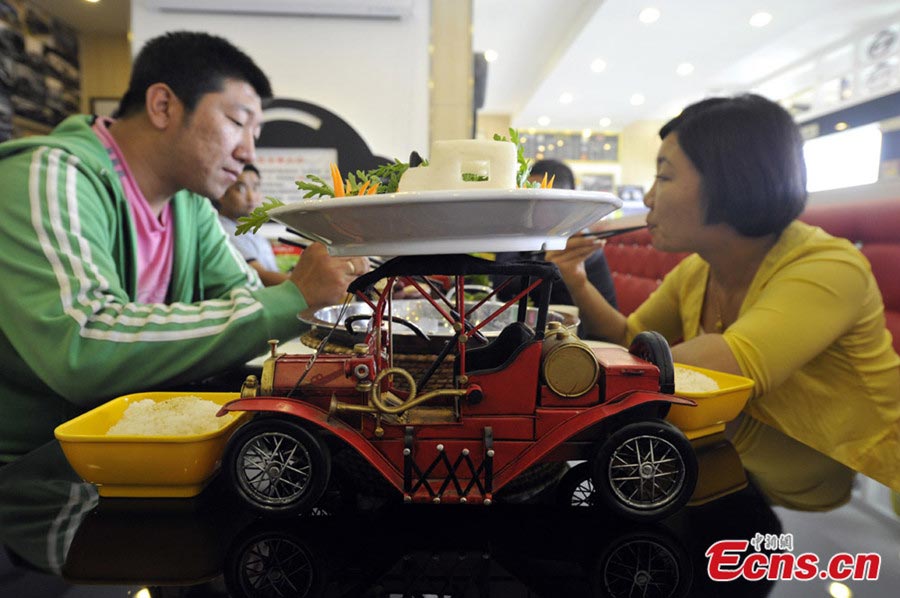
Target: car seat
[{"x": 500, "y": 351}]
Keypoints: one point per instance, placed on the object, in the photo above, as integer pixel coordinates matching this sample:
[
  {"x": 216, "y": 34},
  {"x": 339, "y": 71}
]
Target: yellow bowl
[
  {"x": 714, "y": 408},
  {"x": 144, "y": 466}
]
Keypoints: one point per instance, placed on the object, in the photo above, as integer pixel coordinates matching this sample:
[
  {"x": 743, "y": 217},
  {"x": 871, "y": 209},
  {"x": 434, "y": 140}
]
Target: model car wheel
[
  {"x": 576, "y": 488},
  {"x": 276, "y": 466},
  {"x": 645, "y": 471},
  {"x": 644, "y": 563},
  {"x": 272, "y": 562},
  {"x": 652, "y": 346}
]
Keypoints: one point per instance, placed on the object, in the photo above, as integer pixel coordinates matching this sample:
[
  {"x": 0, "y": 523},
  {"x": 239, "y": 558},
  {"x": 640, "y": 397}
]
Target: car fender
[
  {"x": 578, "y": 423},
  {"x": 320, "y": 418}
]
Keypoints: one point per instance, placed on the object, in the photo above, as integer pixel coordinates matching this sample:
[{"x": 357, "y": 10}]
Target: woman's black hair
[
  {"x": 749, "y": 154},
  {"x": 192, "y": 64}
]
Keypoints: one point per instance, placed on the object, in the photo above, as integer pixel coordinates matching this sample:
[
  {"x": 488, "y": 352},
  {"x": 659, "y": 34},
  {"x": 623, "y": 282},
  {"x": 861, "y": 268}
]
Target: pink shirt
[{"x": 155, "y": 236}]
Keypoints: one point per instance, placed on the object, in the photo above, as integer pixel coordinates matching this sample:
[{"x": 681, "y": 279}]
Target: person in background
[
  {"x": 595, "y": 266},
  {"x": 117, "y": 275},
  {"x": 240, "y": 200},
  {"x": 767, "y": 297}
]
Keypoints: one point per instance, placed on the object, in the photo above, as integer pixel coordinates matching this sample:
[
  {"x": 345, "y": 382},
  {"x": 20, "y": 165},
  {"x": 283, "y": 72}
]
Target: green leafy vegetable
[
  {"x": 389, "y": 175},
  {"x": 524, "y": 169},
  {"x": 258, "y": 217},
  {"x": 472, "y": 177},
  {"x": 316, "y": 187}
]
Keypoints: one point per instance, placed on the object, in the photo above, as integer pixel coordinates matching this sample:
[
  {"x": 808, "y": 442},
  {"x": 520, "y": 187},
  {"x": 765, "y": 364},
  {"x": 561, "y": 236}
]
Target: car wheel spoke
[{"x": 646, "y": 471}]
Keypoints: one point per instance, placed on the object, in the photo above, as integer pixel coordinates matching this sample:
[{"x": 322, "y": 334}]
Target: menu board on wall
[
  {"x": 39, "y": 69},
  {"x": 281, "y": 167}
]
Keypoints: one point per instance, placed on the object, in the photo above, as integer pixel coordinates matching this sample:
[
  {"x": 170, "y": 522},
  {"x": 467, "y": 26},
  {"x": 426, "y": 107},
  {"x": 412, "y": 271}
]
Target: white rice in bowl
[
  {"x": 687, "y": 380},
  {"x": 178, "y": 416}
]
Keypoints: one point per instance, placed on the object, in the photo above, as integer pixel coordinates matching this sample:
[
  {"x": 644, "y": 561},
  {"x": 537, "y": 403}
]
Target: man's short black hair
[
  {"x": 192, "y": 64},
  {"x": 565, "y": 178},
  {"x": 749, "y": 154}
]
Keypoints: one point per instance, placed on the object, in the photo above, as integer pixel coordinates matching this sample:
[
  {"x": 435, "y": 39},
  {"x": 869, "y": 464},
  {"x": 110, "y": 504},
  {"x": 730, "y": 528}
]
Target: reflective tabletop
[{"x": 61, "y": 539}]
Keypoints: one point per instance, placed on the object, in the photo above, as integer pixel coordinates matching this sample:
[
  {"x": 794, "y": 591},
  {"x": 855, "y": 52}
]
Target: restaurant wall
[
  {"x": 488, "y": 125},
  {"x": 105, "y": 68},
  {"x": 373, "y": 73},
  {"x": 638, "y": 144}
]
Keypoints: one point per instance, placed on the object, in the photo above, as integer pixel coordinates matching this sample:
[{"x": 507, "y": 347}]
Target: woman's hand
[
  {"x": 570, "y": 260},
  {"x": 323, "y": 279}
]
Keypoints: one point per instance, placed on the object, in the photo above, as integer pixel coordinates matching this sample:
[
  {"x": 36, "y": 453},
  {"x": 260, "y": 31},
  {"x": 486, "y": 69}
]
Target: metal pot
[{"x": 421, "y": 314}]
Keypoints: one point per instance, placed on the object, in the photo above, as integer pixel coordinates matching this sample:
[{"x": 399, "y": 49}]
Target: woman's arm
[
  {"x": 707, "y": 351},
  {"x": 599, "y": 318}
]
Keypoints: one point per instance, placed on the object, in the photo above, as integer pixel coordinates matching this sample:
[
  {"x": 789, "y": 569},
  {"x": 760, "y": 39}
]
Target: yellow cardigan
[{"x": 811, "y": 334}]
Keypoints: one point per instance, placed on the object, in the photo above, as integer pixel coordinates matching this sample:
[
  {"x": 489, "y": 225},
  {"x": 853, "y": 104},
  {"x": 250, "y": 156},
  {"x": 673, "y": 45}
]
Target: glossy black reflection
[{"x": 362, "y": 544}]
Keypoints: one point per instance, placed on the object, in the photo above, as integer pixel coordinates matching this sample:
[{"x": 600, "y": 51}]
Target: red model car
[{"x": 531, "y": 394}]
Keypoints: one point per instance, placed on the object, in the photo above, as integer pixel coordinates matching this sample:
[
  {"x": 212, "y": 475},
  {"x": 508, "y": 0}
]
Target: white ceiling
[{"x": 546, "y": 48}]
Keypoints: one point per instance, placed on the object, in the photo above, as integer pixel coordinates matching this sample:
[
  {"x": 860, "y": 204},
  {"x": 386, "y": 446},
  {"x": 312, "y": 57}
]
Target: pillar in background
[{"x": 451, "y": 82}]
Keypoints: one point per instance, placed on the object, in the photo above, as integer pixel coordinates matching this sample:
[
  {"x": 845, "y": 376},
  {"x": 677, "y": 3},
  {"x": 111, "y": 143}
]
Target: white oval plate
[{"x": 441, "y": 222}]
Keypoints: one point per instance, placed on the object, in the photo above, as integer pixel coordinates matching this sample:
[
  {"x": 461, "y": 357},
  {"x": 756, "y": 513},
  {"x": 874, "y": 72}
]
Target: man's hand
[
  {"x": 570, "y": 260},
  {"x": 323, "y": 279}
]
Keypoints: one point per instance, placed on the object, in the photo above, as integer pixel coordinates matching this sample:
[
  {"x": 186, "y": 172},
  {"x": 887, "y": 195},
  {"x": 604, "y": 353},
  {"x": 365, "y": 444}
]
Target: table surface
[{"x": 61, "y": 539}]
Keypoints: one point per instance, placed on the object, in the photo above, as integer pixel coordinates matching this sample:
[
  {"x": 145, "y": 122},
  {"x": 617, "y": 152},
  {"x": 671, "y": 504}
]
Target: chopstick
[
  {"x": 293, "y": 243},
  {"x": 372, "y": 260},
  {"x": 603, "y": 234}
]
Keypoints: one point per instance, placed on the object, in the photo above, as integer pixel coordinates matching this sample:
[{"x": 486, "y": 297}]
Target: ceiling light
[
  {"x": 491, "y": 55},
  {"x": 649, "y": 15},
  {"x": 604, "y": 122},
  {"x": 598, "y": 65},
  {"x": 542, "y": 148},
  {"x": 586, "y": 133},
  {"x": 760, "y": 19},
  {"x": 543, "y": 120},
  {"x": 607, "y": 146},
  {"x": 560, "y": 143},
  {"x": 637, "y": 99},
  {"x": 684, "y": 69},
  {"x": 565, "y": 98},
  {"x": 92, "y": 1},
  {"x": 840, "y": 126}
]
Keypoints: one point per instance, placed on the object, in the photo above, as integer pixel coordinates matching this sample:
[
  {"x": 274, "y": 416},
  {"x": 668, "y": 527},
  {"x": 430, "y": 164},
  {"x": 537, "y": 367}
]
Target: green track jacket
[{"x": 71, "y": 334}]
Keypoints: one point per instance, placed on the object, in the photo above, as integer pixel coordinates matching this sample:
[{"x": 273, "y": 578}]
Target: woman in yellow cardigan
[{"x": 765, "y": 296}]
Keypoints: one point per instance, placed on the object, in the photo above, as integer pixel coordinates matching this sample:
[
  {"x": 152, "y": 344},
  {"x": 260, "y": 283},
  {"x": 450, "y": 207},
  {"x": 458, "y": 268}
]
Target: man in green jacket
[{"x": 117, "y": 276}]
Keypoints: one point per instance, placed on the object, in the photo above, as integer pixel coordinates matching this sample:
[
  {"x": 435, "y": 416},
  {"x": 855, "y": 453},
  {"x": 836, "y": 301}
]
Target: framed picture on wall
[
  {"x": 104, "y": 106},
  {"x": 597, "y": 182}
]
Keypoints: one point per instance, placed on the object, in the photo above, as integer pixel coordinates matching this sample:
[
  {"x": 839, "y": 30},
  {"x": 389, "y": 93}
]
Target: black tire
[
  {"x": 652, "y": 346},
  {"x": 644, "y": 563},
  {"x": 576, "y": 488},
  {"x": 276, "y": 466},
  {"x": 271, "y": 562},
  {"x": 645, "y": 471}
]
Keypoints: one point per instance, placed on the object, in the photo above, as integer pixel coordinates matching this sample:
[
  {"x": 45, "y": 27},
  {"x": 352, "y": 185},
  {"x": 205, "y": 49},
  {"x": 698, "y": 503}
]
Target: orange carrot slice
[
  {"x": 336, "y": 178},
  {"x": 362, "y": 190}
]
